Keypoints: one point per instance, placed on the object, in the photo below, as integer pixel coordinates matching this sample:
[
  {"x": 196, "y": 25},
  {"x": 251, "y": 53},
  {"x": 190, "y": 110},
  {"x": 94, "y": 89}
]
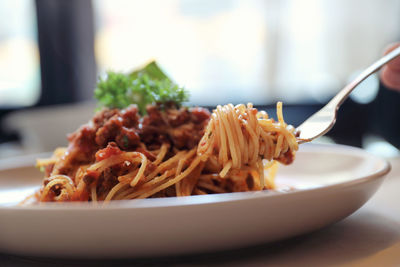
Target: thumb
[{"x": 390, "y": 75}]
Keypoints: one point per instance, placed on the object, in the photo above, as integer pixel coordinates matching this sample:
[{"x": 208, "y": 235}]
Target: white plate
[{"x": 333, "y": 181}]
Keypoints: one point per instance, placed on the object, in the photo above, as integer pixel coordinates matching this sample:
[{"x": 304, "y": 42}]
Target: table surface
[{"x": 369, "y": 237}]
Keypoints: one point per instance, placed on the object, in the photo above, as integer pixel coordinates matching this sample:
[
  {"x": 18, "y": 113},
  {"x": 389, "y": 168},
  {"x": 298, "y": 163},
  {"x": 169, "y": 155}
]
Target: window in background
[
  {"x": 247, "y": 50},
  {"x": 19, "y": 56}
]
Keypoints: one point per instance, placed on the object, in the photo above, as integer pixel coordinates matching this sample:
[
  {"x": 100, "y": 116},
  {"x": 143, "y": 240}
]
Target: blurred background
[{"x": 260, "y": 51}]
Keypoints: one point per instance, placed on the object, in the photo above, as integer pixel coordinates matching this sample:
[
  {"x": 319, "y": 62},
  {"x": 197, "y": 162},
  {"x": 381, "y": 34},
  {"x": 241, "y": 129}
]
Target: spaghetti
[{"x": 174, "y": 152}]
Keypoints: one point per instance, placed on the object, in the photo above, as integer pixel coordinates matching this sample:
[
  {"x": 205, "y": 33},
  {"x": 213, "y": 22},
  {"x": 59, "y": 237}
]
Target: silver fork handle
[{"x": 344, "y": 93}]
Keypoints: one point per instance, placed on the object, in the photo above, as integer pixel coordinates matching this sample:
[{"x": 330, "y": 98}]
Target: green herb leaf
[
  {"x": 148, "y": 85},
  {"x": 152, "y": 70}
]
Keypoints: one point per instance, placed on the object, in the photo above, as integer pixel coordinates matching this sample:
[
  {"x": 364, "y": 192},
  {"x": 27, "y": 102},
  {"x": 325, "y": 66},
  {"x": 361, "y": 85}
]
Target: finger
[
  {"x": 390, "y": 78},
  {"x": 395, "y": 63}
]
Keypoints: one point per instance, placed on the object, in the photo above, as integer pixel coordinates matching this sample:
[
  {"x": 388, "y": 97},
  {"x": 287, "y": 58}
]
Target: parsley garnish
[{"x": 142, "y": 87}]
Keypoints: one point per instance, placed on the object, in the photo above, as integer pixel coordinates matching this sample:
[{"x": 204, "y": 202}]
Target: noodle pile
[{"x": 238, "y": 152}]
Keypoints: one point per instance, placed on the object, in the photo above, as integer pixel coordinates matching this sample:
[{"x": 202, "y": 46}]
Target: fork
[{"x": 323, "y": 120}]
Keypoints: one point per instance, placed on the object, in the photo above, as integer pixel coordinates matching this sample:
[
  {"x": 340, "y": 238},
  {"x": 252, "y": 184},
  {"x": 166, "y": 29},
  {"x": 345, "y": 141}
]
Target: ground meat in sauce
[
  {"x": 107, "y": 180},
  {"x": 121, "y": 128},
  {"x": 108, "y": 125},
  {"x": 286, "y": 158},
  {"x": 182, "y": 128}
]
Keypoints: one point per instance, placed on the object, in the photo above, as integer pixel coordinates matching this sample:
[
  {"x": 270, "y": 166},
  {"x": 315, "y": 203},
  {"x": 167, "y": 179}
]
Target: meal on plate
[{"x": 143, "y": 143}]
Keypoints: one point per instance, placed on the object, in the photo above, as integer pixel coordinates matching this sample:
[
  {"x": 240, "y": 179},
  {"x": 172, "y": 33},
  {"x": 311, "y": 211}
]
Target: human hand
[{"x": 390, "y": 75}]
